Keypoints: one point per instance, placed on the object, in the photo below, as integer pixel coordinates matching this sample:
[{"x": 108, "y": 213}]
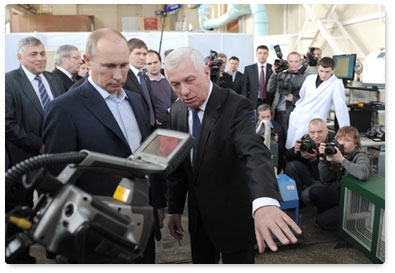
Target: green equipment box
[{"x": 362, "y": 222}]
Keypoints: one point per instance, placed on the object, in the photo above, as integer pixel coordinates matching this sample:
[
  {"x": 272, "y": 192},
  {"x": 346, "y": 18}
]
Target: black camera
[
  {"x": 213, "y": 60},
  {"x": 307, "y": 144},
  {"x": 330, "y": 148},
  {"x": 286, "y": 85},
  {"x": 214, "y": 64},
  {"x": 312, "y": 60},
  {"x": 279, "y": 63}
]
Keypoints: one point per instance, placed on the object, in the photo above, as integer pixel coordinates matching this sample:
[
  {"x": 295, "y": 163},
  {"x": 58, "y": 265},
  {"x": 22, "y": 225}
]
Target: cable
[{"x": 16, "y": 172}]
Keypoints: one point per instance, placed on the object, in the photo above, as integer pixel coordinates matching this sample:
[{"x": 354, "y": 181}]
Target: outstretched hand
[{"x": 271, "y": 219}]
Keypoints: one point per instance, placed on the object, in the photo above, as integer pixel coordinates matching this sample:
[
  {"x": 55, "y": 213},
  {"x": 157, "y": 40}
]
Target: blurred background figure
[{"x": 84, "y": 69}]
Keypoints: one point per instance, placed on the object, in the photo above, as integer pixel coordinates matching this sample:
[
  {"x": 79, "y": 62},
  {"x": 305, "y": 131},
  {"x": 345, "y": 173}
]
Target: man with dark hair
[
  {"x": 163, "y": 95},
  {"x": 256, "y": 77},
  {"x": 237, "y": 76},
  {"x": 317, "y": 96},
  {"x": 137, "y": 81},
  {"x": 225, "y": 80},
  {"x": 264, "y": 112}
]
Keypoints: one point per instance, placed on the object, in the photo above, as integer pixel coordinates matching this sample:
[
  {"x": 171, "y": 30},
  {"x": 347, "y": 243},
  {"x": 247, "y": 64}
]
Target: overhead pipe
[{"x": 258, "y": 12}]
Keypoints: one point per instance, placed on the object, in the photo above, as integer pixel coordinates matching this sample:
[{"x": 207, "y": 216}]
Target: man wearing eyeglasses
[{"x": 67, "y": 64}]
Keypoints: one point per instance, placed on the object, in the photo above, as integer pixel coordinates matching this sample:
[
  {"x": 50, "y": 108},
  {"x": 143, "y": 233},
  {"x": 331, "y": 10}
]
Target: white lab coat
[{"x": 316, "y": 103}]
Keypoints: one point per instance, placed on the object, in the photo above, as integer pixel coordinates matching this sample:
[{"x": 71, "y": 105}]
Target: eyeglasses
[{"x": 76, "y": 57}]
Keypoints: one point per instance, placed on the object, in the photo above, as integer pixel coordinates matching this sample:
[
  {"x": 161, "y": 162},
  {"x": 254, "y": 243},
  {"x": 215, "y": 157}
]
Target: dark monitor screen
[{"x": 345, "y": 66}]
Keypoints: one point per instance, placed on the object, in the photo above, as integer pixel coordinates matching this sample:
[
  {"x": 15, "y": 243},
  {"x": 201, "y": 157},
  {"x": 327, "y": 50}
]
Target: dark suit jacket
[
  {"x": 233, "y": 168},
  {"x": 67, "y": 82},
  {"x": 251, "y": 84},
  {"x": 24, "y": 116},
  {"x": 133, "y": 84},
  {"x": 79, "y": 81},
  {"x": 81, "y": 119},
  {"x": 238, "y": 82}
]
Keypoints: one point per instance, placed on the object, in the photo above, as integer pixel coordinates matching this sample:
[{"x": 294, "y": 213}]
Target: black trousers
[{"x": 204, "y": 252}]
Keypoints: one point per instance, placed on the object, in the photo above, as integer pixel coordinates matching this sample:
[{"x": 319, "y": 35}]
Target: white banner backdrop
[{"x": 242, "y": 46}]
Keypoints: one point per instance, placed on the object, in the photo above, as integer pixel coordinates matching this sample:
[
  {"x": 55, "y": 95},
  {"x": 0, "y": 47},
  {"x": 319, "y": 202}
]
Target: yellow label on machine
[{"x": 122, "y": 194}]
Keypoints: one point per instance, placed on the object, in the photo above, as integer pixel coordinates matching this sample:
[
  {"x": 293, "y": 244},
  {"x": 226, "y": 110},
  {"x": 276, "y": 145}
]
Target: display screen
[
  {"x": 345, "y": 66},
  {"x": 162, "y": 145}
]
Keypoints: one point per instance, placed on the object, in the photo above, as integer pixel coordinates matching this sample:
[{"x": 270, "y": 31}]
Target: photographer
[
  {"x": 264, "y": 112},
  {"x": 311, "y": 61},
  {"x": 341, "y": 157},
  {"x": 217, "y": 63},
  {"x": 302, "y": 159},
  {"x": 285, "y": 83}
]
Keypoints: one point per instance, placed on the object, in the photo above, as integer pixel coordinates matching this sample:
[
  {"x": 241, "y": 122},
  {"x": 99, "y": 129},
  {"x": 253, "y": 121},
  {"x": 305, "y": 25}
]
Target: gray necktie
[{"x": 147, "y": 97}]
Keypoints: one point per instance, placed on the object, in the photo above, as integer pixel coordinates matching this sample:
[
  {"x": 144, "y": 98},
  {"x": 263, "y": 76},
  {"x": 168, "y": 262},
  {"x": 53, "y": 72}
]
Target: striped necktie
[{"x": 43, "y": 92}]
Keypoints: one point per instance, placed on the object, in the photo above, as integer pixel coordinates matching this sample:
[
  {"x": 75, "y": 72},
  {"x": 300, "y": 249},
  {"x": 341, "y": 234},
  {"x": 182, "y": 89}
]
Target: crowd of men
[{"x": 127, "y": 91}]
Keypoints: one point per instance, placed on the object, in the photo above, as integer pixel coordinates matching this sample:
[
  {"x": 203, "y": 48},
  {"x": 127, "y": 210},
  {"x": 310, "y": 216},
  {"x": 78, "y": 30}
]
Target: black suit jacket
[
  {"x": 133, "y": 84},
  {"x": 79, "y": 81},
  {"x": 81, "y": 119},
  {"x": 67, "y": 82},
  {"x": 251, "y": 84},
  {"x": 24, "y": 117},
  {"x": 233, "y": 167},
  {"x": 238, "y": 82}
]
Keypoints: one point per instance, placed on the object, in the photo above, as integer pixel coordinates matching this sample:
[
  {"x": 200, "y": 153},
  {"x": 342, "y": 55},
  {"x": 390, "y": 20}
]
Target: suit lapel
[
  {"x": 179, "y": 122},
  {"x": 256, "y": 76},
  {"x": 135, "y": 81},
  {"x": 96, "y": 105},
  {"x": 211, "y": 114},
  {"x": 29, "y": 92},
  {"x": 52, "y": 84}
]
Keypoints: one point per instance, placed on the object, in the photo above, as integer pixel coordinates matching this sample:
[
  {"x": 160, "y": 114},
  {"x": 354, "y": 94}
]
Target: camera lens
[{"x": 330, "y": 150}]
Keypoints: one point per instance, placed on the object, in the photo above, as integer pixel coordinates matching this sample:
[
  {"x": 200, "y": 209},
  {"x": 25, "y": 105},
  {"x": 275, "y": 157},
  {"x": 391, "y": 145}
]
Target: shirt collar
[
  {"x": 259, "y": 65},
  {"x": 121, "y": 93},
  {"x": 204, "y": 104},
  {"x": 65, "y": 71},
  {"x": 135, "y": 70},
  {"x": 29, "y": 74},
  {"x": 155, "y": 79}
]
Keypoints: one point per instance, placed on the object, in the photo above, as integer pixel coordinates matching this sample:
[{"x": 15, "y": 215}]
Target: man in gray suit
[{"x": 24, "y": 111}]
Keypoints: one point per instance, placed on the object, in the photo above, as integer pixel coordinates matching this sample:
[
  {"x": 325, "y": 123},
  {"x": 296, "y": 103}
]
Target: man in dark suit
[
  {"x": 137, "y": 81},
  {"x": 237, "y": 76},
  {"x": 99, "y": 115},
  {"x": 24, "y": 111},
  {"x": 224, "y": 80},
  {"x": 67, "y": 63},
  {"x": 264, "y": 112},
  {"x": 252, "y": 87},
  {"x": 229, "y": 178}
]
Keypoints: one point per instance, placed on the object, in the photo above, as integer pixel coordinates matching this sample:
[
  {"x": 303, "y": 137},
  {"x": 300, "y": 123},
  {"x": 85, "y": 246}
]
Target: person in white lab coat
[{"x": 317, "y": 95}]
